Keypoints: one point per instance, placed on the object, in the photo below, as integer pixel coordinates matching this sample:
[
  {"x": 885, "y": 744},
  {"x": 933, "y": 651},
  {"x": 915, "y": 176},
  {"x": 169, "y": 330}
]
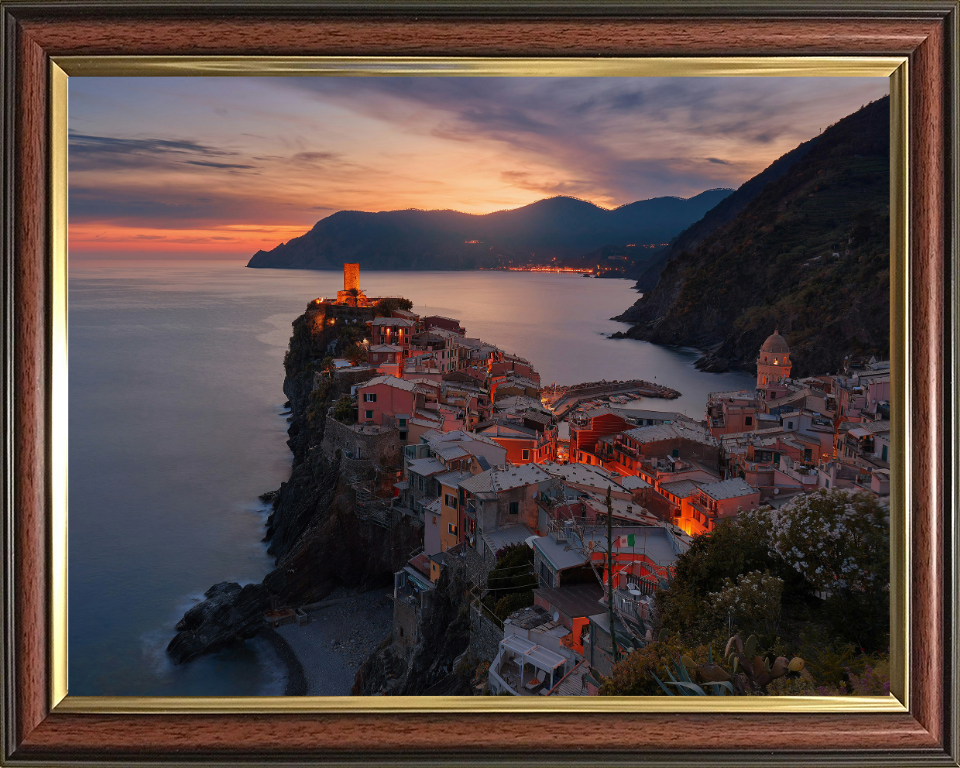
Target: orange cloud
[{"x": 89, "y": 239}]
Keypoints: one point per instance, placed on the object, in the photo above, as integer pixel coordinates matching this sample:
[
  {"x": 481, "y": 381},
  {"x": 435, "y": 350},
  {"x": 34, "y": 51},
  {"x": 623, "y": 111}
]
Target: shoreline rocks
[{"x": 229, "y": 615}]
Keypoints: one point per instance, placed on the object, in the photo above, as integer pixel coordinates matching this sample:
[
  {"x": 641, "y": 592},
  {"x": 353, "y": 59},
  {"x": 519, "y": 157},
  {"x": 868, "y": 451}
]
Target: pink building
[
  {"x": 729, "y": 412},
  {"x": 395, "y": 331},
  {"x": 389, "y": 401},
  {"x": 515, "y": 366}
]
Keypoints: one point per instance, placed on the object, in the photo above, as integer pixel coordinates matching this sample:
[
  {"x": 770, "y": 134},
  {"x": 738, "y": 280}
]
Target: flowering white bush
[
  {"x": 837, "y": 540},
  {"x": 753, "y": 601}
]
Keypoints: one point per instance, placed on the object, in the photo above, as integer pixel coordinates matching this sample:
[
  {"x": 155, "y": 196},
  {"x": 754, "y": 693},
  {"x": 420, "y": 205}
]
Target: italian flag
[{"x": 626, "y": 541}]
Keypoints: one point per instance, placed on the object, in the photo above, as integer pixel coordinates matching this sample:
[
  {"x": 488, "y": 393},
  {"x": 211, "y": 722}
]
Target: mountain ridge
[{"x": 560, "y": 228}]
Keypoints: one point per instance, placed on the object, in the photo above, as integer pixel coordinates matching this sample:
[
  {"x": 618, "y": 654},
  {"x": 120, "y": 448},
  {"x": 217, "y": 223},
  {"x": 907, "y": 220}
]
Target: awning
[
  {"x": 531, "y": 653},
  {"x": 859, "y": 432}
]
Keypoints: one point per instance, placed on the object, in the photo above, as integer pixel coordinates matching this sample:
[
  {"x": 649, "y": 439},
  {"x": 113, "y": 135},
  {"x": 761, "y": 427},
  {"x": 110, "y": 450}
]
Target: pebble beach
[{"x": 323, "y": 656}]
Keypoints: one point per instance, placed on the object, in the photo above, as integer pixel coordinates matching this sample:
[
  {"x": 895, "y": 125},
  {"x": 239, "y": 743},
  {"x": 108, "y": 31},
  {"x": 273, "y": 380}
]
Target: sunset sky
[{"x": 222, "y": 167}]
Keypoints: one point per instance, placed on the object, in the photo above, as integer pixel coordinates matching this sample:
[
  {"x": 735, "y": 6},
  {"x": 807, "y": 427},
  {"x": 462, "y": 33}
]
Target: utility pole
[{"x": 613, "y": 634}]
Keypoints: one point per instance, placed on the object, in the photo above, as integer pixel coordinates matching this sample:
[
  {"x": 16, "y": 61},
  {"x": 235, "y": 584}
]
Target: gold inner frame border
[{"x": 893, "y": 67}]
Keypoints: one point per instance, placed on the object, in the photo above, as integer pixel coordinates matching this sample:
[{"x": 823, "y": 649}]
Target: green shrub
[{"x": 343, "y": 410}]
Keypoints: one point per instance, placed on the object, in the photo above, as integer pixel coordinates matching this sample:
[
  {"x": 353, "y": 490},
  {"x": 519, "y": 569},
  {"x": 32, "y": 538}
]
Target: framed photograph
[{"x": 699, "y": 507}]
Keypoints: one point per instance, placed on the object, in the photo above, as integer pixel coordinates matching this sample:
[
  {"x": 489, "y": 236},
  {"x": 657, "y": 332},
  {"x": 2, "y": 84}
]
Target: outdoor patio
[{"x": 529, "y": 669}]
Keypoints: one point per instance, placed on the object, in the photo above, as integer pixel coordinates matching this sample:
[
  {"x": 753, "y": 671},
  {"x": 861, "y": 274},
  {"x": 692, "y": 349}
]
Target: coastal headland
[{"x": 334, "y": 528}]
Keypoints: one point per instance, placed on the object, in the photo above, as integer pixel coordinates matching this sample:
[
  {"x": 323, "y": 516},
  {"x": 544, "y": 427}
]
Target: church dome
[{"x": 775, "y": 343}]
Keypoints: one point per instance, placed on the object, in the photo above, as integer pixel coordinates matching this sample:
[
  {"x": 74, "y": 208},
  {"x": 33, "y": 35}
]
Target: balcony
[{"x": 702, "y": 510}]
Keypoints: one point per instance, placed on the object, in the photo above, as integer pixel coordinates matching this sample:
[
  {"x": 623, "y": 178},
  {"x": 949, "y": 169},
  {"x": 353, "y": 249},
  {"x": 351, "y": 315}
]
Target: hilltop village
[
  {"x": 525, "y": 527},
  {"x": 459, "y": 438}
]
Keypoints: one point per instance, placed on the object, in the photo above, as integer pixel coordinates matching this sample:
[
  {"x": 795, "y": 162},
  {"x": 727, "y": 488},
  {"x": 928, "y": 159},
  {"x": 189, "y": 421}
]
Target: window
[
  {"x": 807, "y": 454},
  {"x": 883, "y": 454},
  {"x": 403, "y": 435},
  {"x": 675, "y": 453},
  {"x": 402, "y": 422},
  {"x": 748, "y": 421},
  {"x": 450, "y": 501},
  {"x": 525, "y": 454},
  {"x": 451, "y": 528},
  {"x": 789, "y": 425},
  {"x": 369, "y": 397},
  {"x": 514, "y": 507},
  {"x": 545, "y": 574},
  {"x": 369, "y": 414}
]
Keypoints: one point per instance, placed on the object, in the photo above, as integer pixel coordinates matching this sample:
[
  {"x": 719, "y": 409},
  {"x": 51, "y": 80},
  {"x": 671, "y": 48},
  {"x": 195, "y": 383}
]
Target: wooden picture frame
[{"x": 40, "y": 727}]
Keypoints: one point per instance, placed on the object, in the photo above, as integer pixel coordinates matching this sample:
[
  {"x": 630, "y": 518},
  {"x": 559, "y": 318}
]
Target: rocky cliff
[
  {"x": 809, "y": 255},
  {"x": 437, "y": 664},
  {"x": 315, "y": 535}
]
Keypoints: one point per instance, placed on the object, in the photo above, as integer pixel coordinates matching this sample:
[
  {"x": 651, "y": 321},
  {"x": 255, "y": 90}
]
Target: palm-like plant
[{"x": 755, "y": 675}]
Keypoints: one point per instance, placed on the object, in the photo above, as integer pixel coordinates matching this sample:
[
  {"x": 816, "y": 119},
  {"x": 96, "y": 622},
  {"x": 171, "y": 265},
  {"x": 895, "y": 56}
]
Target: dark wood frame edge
[{"x": 926, "y": 32}]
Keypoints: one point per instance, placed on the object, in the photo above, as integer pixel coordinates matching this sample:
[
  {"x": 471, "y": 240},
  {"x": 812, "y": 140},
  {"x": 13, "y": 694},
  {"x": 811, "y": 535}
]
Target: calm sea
[{"x": 175, "y": 429}]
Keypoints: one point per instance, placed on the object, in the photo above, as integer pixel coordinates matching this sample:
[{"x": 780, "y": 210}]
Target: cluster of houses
[{"x": 487, "y": 465}]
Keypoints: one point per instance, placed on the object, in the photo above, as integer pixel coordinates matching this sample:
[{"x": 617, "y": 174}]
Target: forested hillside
[{"x": 810, "y": 256}]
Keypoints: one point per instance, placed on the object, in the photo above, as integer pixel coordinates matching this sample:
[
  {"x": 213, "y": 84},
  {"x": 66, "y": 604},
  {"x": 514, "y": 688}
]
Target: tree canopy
[
  {"x": 385, "y": 306},
  {"x": 825, "y": 558}
]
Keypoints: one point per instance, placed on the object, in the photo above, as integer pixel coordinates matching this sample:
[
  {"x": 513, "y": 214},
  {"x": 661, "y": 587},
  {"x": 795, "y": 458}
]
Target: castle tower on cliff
[
  {"x": 351, "y": 277},
  {"x": 773, "y": 365},
  {"x": 351, "y": 293}
]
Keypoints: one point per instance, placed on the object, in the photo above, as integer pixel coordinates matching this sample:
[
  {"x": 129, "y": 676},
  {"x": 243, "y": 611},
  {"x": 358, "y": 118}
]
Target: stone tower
[
  {"x": 351, "y": 295},
  {"x": 773, "y": 365},
  {"x": 351, "y": 277}
]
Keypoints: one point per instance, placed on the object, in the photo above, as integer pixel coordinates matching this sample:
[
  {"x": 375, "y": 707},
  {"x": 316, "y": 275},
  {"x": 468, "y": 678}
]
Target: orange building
[
  {"x": 521, "y": 442},
  {"x": 699, "y": 512},
  {"x": 586, "y": 428}
]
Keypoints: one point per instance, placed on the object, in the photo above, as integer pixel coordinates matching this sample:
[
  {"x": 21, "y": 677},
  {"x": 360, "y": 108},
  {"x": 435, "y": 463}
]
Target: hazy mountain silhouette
[{"x": 559, "y": 227}]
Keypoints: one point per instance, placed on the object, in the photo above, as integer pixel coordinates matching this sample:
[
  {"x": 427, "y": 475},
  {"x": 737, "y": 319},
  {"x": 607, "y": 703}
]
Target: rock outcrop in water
[
  {"x": 229, "y": 611},
  {"x": 315, "y": 535}
]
